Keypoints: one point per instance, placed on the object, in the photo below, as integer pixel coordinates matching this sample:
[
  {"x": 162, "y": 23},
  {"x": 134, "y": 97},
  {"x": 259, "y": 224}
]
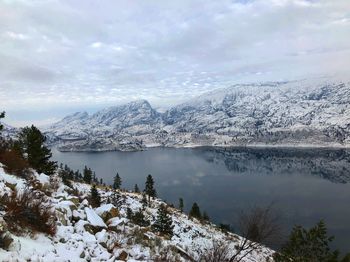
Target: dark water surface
[{"x": 305, "y": 185}]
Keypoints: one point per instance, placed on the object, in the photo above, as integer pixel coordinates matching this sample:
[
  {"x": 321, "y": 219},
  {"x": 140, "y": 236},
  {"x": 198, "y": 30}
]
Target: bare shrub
[
  {"x": 28, "y": 210},
  {"x": 218, "y": 252},
  {"x": 14, "y": 163},
  {"x": 256, "y": 227}
]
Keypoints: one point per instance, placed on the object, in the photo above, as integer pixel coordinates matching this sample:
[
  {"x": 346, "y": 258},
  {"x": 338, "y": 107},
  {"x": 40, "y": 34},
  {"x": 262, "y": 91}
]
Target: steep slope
[
  {"x": 299, "y": 113},
  {"x": 105, "y": 233},
  {"x": 112, "y": 128}
]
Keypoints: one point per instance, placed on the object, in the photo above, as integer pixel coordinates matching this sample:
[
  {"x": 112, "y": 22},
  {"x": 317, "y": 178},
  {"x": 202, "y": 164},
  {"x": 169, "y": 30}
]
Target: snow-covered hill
[
  {"x": 298, "y": 113},
  {"x": 105, "y": 233}
]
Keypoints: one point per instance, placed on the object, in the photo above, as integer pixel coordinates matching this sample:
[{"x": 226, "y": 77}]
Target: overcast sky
[{"x": 58, "y": 57}]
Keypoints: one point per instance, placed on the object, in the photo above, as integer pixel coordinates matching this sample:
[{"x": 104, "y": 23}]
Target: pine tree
[
  {"x": 136, "y": 189},
  {"x": 309, "y": 245},
  {"x": 2, "y": 115},
  {"x": 95, "y": 199},
  {"x": 149, "y": 188},
  {"x": 31, "y": 144},
  {"x": 181, "y": 204},
  {"x": 129, "y": 213},
  {"x": 139, "y": 219},
  {"x": 195, "y": 212},
  {"x": 144, "y": 200},
  {"x": 163, "y": 223},
  {"x": 117, "y": 182},
  {"x": 87, "y": 175}
]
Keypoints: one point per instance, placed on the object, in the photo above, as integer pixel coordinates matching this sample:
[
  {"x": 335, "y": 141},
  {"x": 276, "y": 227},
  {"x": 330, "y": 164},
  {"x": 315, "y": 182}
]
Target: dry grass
[
  {"x": 28, "y": 210},
  {"x": 14, "y": 163}
]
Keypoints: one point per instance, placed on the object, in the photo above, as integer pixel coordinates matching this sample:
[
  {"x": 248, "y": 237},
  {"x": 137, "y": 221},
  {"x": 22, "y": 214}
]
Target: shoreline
[{"x": 193, "y": 146}]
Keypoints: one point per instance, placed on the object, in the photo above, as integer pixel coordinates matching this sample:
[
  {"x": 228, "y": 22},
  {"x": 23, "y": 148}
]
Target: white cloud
[
  {"x": 88, "y": 54},
  {"x": 96, "y": 45}
]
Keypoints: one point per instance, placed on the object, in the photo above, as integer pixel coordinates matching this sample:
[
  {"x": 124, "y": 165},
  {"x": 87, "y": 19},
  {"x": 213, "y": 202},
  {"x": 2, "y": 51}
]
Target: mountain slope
[
  {"x": 298, "y": 113},
  {"x": 105, "y": 233}
]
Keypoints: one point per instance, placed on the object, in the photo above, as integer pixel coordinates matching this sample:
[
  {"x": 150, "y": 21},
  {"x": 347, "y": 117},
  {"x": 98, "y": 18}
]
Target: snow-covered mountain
[{"x": 298, "y": 113}]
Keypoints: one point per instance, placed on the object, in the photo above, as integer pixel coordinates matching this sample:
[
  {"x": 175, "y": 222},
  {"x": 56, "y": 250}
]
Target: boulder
[{"x": 107, "y": 212}]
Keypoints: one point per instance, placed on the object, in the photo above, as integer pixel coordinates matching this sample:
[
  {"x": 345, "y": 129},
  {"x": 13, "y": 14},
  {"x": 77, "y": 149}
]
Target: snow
[
  {"x": 104, "y": 208},
  {"x": 93, "y": 218},
  {"x": 85, "y": 237},
  {"x": 315, "y": 112}
]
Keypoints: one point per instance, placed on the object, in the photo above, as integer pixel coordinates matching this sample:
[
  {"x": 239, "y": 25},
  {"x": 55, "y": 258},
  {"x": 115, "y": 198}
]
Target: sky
[{"x": 59, "y": 57}]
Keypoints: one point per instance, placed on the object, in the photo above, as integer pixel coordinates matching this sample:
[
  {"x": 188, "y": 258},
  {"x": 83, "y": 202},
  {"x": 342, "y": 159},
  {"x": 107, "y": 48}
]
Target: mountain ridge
[{"x": 294, "y": 113}]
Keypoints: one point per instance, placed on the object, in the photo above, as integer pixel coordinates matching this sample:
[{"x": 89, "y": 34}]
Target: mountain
[{"x": 298, "y": 113}]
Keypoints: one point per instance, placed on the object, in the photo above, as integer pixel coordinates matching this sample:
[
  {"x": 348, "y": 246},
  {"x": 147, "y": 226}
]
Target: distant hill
[{"x": 298, "y": 113}]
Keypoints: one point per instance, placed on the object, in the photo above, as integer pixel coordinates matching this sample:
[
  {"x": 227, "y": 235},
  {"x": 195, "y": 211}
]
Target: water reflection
[
  {"x": 305, "y": 185},
  {"x": 333, "y": 165}
]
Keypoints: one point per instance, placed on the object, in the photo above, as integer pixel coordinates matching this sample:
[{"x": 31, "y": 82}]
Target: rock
[
  {"x": 11, "y": 186},
  {"x": 75, "y": 200},
  {"x": 123, "y": 256},
  {"x": 3, "y": 225},
  {"x": 94, "y": 219},
  {"x": 61, "y": 217},
  {"x": 78, "y": 214},
  {"x": 6, "y": 240},
  {"x": 85, "y": 203},
  {"x": 107, "y": 212},
  {"x": 91, "y": 229}
]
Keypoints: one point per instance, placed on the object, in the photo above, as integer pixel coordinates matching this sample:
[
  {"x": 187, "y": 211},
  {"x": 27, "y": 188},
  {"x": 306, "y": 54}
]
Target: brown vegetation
[
  {"x": 14, "y": 163},
  {"x": 28, "y": 210}
]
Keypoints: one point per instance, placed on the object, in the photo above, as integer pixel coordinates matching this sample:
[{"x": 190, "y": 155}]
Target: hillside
[
  {"x": 299, "y": 113},
  {"x": 103, "y": 233}
]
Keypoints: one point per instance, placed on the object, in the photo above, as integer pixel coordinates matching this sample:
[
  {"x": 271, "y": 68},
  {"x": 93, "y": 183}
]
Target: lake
[{"x": 304, "y": 185}]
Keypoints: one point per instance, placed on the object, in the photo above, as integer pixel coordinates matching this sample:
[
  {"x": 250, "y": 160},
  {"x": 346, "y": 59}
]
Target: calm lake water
[{"x": 305, "y": 185}]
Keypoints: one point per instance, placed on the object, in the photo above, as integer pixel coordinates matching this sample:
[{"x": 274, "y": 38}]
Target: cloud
[{"x": 91, "y": 54}]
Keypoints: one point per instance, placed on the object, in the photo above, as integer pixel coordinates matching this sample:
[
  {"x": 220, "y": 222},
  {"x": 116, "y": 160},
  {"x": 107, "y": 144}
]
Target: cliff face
[{"x": 276, "y": 114}]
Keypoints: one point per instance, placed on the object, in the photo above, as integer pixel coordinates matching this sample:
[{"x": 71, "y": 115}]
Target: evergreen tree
[
  {"x": 2, "y": 115},
  {"x": 117, "y": 182},
  {"x": 87, "y": 175},
  {"x": 181, "y": 204},
  {"x": 144, "y": 200},
  {"x": 136, "y": 189},
  {"x": 95, "y": 199},
  {"x": 195, "y": 212},
  {"x": 205, "y": 216},
  {"x": 129, "y": 213},
  {"x": 309, "y": 245},
  {"x": 138, "y": 218},
  {"x": 31, "y": 144},
  {"x": 149, "y": 187},
  {"x": 163, "y": 223}
]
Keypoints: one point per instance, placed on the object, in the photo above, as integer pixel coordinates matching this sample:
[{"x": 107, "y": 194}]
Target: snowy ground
[{"x": 105, "y": 234}]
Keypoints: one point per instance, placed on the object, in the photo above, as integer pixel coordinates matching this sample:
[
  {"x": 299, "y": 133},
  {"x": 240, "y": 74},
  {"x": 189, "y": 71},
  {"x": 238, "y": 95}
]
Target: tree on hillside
[
  {"x": 95, "y": 199},
  {"x": 195, "y": 211},
  {"x": 149, "y": 187},
  {"x": 31, "y": 145},
  {"x": 309, "y": 245},
  {"x": 136, "y": 189},
  {"x": 87, "y": 175},
  {"x": 163, "y": 223},
  {"x": 2, "y": 115},
  {"x": 181, "y": 204},
  {"x": 117, "y": 182}
]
